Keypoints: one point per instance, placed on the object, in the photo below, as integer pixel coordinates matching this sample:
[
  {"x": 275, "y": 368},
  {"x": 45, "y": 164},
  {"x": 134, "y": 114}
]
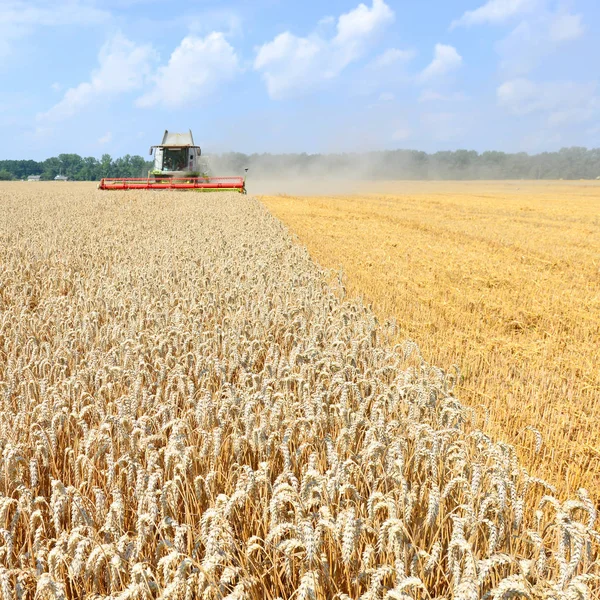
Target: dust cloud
[
  {"x": 302, "y": 174},
  {"x": 321, "y": 174}
]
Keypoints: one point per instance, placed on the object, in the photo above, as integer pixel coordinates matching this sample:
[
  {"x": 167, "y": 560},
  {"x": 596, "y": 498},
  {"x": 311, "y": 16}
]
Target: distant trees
[
  {"x": 105, "y": 166},
  {"x": 129, "y": 166},
  {"x": 20, "y": 169},
  {"x": 50, "y": 168},
  {"x": 76, "y": 167},
  {"x": 568, "y": 163}
]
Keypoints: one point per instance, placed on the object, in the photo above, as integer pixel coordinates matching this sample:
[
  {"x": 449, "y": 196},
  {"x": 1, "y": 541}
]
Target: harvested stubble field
[
  {"x": 189, "y": 410},
  {"x": 499, "y": 278}
]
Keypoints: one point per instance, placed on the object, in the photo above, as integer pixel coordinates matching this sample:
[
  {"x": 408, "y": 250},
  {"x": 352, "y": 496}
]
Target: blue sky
[{"x": 96, "y": 77}]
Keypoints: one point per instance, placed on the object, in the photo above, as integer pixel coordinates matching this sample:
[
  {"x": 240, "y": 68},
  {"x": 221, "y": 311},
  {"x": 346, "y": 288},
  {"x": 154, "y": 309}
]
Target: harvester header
[{"x": 177, "y": 166}]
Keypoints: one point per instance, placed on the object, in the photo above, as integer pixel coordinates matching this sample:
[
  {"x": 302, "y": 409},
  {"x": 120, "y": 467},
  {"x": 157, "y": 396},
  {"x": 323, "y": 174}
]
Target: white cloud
[
  {"x": 106, "y": 138},
  {"x": 386, "y": 97},
  {"x": 541, "y": 26},
  {"x": 561, "y": 103},
  {"x": 565, "y": 27},
  {"x": 57, "y": 87},
  {"x": 520, "y": 96},
  {"x": 123, "y": 67},
  {"x": 291, "y": 64},
  {"x": 195, "y": 69},
  {"x": 391, "y": 57},
  {"x": 326, "y": 21},
  {"x": 357, "y": 27},
  {"x": 22, "y": 18},
  {"x": 533, "y": 39},
  {"x": 494, "y": 12},
  {"x": 446, "y": 59}
]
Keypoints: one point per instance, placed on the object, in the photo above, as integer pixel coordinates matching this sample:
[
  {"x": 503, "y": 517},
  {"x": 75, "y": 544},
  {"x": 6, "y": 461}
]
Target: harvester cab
[
  {"x": 177, "y": 166},
  {"x": 176, "y": 156}
]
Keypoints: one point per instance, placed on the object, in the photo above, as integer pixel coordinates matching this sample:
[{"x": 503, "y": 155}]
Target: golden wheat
[
  {"x": 500, "y": 278},
  {"x": 189, "y": 410}
]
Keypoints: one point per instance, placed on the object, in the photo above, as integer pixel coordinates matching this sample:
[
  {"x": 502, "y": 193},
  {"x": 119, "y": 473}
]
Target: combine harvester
[{"x": 176, "y": 167}]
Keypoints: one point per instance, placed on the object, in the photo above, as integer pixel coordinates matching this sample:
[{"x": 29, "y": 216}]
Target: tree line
[
  {"x": 567, "y": 163},
  {"x": 76, "y": 168}
]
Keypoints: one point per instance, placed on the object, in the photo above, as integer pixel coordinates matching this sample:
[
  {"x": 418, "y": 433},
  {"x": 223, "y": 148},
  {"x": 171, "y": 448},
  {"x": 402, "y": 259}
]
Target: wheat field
[
  {"x": 191, "y": 408},
  {"x": 499, "y": 278}
]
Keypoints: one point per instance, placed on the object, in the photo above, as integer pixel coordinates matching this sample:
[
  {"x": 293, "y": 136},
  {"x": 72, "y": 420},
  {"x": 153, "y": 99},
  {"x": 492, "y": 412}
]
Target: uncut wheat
[{"x": 189, "y": 410}]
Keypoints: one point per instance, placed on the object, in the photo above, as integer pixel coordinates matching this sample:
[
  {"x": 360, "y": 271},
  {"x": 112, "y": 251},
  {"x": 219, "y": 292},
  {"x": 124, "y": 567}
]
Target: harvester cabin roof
[{"x": 177, "y": 140}]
